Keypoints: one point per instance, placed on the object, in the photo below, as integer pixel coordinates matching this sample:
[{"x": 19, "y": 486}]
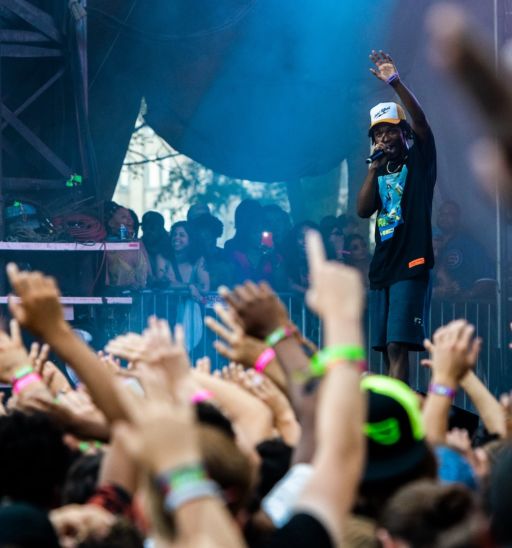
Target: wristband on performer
[
  {"x": 330, "y": 355},
  {"x": 442, "y": 390},
  {"x": 185, "y": 484},
  {"x": 264, "y": 359},
  {"x": 280, "y": 334},
  {"x": 393, "y": 78}
]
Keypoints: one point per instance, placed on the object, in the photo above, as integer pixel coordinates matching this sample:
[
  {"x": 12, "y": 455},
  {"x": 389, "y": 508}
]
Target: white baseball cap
[{"x": 386, "y": 113}]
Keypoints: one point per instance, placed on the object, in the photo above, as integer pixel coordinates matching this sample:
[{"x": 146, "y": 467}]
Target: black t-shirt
[
  {"x": 302, "y": 531},
  {"x": 403, "y": 232}
]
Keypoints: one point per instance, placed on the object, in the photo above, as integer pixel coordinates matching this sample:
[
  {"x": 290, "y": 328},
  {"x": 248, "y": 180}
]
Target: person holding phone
[
  {"x": 399, "y": 186},
  {"x": 251, "y": 251}
]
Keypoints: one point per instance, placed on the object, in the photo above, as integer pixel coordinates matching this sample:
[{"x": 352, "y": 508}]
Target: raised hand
[
  {"x": 506, "y": 406},
  {"x": 238, "y": 346},
  {"x": 161, "y": 432},
  {"x": 385, "y": 68},
  {"x": 75, "y": 523},
  {"x": 39, "y": 309},
  {"x": 38, "y": 355},
  {"x": 453, "y": 352},
  {"x": 162, "y": 349},
  {"x": 258, "y": 308},
  {"x": 127, "y": 347},
  {"x": 13, "y": 354}
]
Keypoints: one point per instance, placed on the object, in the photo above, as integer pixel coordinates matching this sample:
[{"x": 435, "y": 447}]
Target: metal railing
[
  {"x": 108, "y": 319},
  {"x": 171, "y": 304}
]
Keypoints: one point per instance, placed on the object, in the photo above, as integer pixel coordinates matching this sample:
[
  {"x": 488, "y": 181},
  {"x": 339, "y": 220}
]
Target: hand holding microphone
[{"x": 379, "y": 155}]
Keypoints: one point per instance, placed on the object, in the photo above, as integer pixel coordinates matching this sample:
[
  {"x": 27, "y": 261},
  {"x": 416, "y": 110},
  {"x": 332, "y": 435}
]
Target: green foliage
[{"x": 190, "y": 182}]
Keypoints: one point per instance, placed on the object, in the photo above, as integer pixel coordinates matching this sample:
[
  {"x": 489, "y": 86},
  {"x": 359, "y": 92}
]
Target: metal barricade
[{"x": 166, "y": 304}]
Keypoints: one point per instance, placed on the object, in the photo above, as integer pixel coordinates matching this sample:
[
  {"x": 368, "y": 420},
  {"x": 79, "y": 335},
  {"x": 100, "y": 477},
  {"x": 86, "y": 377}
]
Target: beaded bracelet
[
  {"x": 323, "y": 359},
  {"x": 280, "y": 334},
  {"x": 442, "y": 390},
  {"x": 264, "y": 359}
]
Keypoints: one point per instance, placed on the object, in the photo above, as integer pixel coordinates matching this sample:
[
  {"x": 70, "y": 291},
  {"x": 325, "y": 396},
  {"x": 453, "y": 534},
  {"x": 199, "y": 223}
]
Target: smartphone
[{"x": 267, "y": 239}]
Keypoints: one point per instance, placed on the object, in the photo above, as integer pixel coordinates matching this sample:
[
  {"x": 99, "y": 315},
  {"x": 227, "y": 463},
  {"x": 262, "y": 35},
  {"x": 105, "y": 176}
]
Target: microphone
[{"x": 377, "y": 155}]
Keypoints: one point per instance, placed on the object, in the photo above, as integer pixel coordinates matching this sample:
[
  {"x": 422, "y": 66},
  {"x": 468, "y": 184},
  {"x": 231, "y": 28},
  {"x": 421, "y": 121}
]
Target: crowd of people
[
  {"x": 288, "y": 446},
  {"x": 267, "y": 247}
]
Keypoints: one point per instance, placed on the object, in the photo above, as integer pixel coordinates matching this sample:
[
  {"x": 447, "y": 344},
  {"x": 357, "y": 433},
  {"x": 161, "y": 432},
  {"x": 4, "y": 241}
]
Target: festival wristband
[
  {"x": 393, "y": 78},
  {"x": 200, "y": 396},
  {"x": 178, "y": 478},
  {"x": 23, "y": 382},
  {"x": 202, "y": 489},
  {"x": 323, "y": 359},
  {"x": 279, "y": 335},
  {"x": 442, "y": 390},
  {"x": 22, "y": 372},
  {"x": 264, "y": 359}
]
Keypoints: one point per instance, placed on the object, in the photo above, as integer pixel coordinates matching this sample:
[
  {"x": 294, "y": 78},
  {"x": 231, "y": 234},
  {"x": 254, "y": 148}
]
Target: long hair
[{"x": 192, "y": 252}]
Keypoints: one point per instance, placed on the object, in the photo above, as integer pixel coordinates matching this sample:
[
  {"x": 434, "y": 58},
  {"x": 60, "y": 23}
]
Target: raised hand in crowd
[
  {"x": 263, "y": 315},
  {"x": 162, "y": 437},
  {"x": 240, "y": 347},
  {"x": 259, "y": 309},
  {"x": 251, "y": 418},
  {"x": 459, "y": 50},
  {"x": 506, "y": 406},
  {"x": 454, "y": 352},
  {"x": 74, "y": 523},
  {"x": 336, "y": 294},
  {"x": 267, "y": 391},
  {"x": 39, "y": 310}
]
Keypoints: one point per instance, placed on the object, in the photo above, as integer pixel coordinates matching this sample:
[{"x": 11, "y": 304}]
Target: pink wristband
[
  {"x": 25, "y": 381},
  {"x": 201, "y": 396},
  {"x": 264, "y": 359}
]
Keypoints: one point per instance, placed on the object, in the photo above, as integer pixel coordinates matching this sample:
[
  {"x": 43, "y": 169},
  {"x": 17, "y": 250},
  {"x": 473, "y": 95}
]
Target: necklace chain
[{"x": 398, "y": 167}]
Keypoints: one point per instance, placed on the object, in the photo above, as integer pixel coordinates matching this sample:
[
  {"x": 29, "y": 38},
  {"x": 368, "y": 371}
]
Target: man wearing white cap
[{"x": 399, "y": 187}]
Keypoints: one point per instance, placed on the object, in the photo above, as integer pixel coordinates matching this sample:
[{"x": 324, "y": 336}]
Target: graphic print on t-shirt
[{"x": 391, "y": 190}]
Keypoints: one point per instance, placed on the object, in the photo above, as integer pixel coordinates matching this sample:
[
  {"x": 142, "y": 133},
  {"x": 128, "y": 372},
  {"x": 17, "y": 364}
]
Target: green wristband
[
  {"x": 279, "y": 334},
  {"x": 178, "y": 478},
  {"x": 343, "y": 352},
  {"x": 23, "y": 372}
]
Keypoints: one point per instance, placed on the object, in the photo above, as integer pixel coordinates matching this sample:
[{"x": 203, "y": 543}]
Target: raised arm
[
  {"x": 40, "y": 311},
  {"x": 386, "y": 71},
  {"x": 453, "y": 353},
  {"x": 486, "y": 404},
  {"x": 336, "y": 294}
]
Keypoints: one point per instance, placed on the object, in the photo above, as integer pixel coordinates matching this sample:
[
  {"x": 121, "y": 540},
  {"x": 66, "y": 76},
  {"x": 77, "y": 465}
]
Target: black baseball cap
[{"x": 394, "y": 429}]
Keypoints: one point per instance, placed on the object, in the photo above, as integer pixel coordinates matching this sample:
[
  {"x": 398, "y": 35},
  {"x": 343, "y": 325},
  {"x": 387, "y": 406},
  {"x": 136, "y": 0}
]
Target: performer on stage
[{"x": 399, "y": 187}]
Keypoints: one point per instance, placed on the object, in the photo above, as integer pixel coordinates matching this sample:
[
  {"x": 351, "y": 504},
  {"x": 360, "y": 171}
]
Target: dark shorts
[{"x": 400, "y": 313}]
